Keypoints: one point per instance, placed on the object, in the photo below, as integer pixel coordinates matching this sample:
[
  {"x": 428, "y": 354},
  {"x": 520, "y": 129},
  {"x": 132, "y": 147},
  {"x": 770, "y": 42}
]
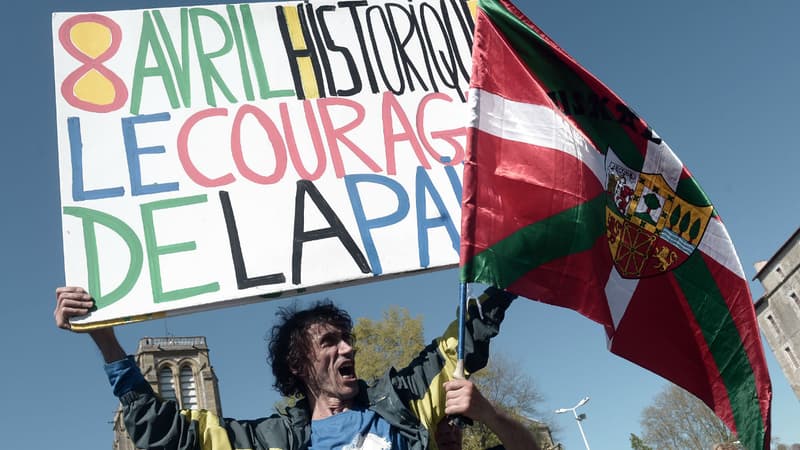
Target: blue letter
[
  {"x": 423, "y": 223},
  {"x": 133, "y": 150},
  {"x": 76, "y": 155},
  {"x": 453, "y": 177},
  {"x": 364, "y": 224}
]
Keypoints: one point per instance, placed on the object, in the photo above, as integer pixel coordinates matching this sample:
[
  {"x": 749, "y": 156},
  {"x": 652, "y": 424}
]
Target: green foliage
[
  {"x": 638, "y": 444},
  {"x": 392, "y": 341}
]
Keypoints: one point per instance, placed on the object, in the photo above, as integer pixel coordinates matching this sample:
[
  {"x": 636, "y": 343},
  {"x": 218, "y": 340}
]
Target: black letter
[
  {"x": 336, "y": 229},
  {"x": 295, "y": 54},
  {"x": 242, "y": 281},
  {"x": 348, "y": 57},
  {"x": 360, "y": 33}
]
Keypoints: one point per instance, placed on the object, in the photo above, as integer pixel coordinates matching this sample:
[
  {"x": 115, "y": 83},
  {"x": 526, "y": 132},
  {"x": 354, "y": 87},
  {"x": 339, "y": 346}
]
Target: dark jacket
[{"x": 412, "y": 399}]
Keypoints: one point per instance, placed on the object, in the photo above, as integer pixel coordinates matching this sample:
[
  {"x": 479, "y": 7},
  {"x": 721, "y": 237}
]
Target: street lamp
[{"x": 578, "y": 417}]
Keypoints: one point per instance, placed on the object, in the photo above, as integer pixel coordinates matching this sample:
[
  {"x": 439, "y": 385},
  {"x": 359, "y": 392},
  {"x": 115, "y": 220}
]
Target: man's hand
[
  {"x": 463, "y": 398},
  {"x": 71, "y": 301}
]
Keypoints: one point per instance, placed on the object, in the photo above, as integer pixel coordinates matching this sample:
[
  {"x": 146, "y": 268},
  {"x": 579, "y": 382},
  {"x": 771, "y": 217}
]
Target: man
[
  {"x": 464, "y": 398},
  {"x": 311, "y": 355}
]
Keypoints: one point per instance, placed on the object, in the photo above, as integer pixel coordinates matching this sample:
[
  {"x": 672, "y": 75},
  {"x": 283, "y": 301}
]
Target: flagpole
[
  {"x": 462, "y": 325},
  {"x": 458, "y": 373}
]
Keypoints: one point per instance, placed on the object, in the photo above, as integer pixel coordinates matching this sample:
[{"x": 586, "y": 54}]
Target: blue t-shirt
[{"x": 354, "y": 430}]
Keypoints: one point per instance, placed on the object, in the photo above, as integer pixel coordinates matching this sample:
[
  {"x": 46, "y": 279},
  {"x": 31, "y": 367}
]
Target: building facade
[
  {"x": 177, "y": 368},
  {"x": 778, "y": 310}
]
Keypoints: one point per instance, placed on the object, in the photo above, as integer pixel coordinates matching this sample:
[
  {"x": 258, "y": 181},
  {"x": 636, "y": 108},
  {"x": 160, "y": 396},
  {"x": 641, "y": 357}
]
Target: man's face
[{"x": 333, "y": 370}]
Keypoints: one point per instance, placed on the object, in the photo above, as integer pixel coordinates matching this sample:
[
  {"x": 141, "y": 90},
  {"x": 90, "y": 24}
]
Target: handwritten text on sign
[{"x": 227, "y": 153}]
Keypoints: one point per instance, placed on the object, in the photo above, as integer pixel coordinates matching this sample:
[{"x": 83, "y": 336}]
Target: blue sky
[{"x": 717, "y": 80}]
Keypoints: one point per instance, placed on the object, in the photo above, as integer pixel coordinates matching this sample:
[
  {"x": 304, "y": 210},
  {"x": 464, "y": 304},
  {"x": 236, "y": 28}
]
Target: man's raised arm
[{"x": 74, "y": 301}]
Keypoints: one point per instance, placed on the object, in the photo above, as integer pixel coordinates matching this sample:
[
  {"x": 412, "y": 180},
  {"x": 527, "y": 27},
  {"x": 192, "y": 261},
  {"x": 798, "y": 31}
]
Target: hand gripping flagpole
[{"x": 458, "y": 374}]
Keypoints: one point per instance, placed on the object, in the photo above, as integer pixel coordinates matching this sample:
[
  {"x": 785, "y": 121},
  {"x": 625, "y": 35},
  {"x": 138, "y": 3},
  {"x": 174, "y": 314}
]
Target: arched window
[
  {"x": 792, "y": 357},
  {"x": 188, "y": 389},
  {"x": 166, "y": 383},
  {"x": 774, "y": 324}
]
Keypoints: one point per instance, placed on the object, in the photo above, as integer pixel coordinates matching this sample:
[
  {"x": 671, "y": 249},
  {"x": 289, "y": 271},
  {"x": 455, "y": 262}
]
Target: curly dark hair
[{"x": 289, "y": 345}]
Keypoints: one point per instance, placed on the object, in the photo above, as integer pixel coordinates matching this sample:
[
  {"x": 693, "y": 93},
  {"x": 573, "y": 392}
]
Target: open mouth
[{"x": 347, "y": 370}]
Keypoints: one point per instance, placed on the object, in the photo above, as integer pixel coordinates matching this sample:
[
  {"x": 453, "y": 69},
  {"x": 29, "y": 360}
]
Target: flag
[{"x": 572, "y": 199}]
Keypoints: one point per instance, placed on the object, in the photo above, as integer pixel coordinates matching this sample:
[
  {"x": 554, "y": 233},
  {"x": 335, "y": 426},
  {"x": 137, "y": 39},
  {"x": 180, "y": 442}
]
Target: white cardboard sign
[{"x": 224, "y": 154}]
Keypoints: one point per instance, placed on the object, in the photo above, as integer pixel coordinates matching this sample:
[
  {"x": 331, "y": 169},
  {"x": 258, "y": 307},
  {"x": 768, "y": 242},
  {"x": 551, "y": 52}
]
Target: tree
[
  {"x": 638, "y": 444},
  {"x": 677, "y": 419},
  {"x": 504, "y": 384},
  {"x": 393, "y": 341}
]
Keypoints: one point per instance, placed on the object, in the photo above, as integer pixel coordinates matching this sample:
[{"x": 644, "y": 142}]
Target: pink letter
[
  {"x": 274, "y": 137},
  {"x": 335, "y": 135},
  {"x": 183, "y": 150},
  {"x": 316, "y": 139},
  {"x": 390, "y": 105},
  {"x": 445, "y": 135}
]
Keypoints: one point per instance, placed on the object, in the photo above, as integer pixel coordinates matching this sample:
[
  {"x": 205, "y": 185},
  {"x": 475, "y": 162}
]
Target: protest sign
[{"x": 225, "y": 154}]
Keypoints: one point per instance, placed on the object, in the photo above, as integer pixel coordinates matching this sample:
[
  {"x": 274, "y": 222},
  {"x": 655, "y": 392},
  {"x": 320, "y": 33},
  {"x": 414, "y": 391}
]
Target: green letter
[
  {"x": 148, "y": 39},
  {"x": 90, "y": 217},
  {"x": 179, "y": 66},
  {"x": 207, "y": 68},
  {"x": 154, "y": 251}
]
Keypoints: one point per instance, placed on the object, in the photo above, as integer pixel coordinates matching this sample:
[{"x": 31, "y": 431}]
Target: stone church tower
[
  {"x": 778, "y": 310},
  {"x": 177, "y": 368}
]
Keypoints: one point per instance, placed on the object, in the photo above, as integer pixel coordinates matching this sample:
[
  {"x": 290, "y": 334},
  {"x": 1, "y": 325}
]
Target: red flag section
[{"x": 571, "y": 199}]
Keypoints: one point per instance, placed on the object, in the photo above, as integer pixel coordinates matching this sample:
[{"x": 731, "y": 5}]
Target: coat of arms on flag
[{"x": 650, "y": 228}]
